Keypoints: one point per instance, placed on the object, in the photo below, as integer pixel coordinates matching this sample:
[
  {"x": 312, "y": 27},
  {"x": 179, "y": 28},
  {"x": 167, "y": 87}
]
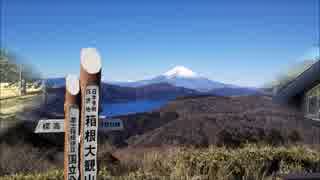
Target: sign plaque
[
  {"x": 90, "y": 132},
  {"x": 111, "y": 125},
  {"x": 73, "y": 149},
  {"x": 50, "y": 126}
]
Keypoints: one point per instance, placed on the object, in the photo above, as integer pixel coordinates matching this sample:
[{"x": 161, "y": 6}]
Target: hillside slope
[
  {"x": 227, "y": 120},
  {"x": 209, "y": 120}
]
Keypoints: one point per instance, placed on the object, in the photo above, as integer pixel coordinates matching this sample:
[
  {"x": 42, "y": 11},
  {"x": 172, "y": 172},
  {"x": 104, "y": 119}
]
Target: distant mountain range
[
  {"x": 236, "y": 91},
  {"x": 179, "y": 81},
  {"x": 55, "y": 82},
  {"x": 153, "y": 91},
  {"x": 180, "y": 77}
]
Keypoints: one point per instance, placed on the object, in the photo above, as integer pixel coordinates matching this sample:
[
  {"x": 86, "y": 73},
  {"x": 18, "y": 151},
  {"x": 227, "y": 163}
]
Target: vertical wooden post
[
  {"x": 71, "y": 129},
  {"x": 90, "y": 78}
]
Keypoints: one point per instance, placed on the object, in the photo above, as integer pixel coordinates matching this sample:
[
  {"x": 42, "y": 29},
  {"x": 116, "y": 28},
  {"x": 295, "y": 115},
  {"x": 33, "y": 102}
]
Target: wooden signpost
[
  {"x": 71, "y": 126},
  {"x": 57, "y": 125},
  {"x": 81, "y": 123},
  {"x": 90, "y": 77}
]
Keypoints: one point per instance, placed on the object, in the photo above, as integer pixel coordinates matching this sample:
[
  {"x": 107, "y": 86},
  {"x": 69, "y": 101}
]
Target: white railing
[{"x": 312, "y": 117}]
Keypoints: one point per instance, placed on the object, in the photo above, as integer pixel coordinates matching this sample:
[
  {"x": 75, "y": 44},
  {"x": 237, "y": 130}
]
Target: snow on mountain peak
[{"x": 180, "y": 71}]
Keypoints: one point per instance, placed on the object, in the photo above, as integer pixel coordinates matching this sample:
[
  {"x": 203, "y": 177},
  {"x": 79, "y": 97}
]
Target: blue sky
[{"x": 242, "y": 42}]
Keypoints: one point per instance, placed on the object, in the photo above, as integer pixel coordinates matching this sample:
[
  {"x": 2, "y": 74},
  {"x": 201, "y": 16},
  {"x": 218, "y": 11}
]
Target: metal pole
[
  {"x": 90, "y": 78},
  {"x": 44, "y": 92},
  {"x": 1, "y": 66},
  {"x": 20, "y": 80}
]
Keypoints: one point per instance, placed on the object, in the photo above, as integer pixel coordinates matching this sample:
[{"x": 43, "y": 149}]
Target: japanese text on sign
[
  {"x": 73, "y": 139},
  {"x": 50, "y": 126},
  {"x": 90, "y": 133},
  {"x": 111, "y": 125}
]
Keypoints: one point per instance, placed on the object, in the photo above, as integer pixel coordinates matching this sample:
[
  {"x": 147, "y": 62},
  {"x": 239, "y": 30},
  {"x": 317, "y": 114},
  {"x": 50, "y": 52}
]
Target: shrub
[
  {"x": 217, "y": 163},
  {"x": 275, "y": 137},
  {"x": 23, "y": 158},
  {"x": 226, "y": 138},
  {"x": 294, "y": 136}
]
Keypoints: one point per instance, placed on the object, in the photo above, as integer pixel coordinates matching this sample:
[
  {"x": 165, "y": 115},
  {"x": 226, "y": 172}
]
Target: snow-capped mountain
[
  {"x": 179, "y": 81},
  {"x": 180, "y": 71},
  {"x": 181, "y": 76}
]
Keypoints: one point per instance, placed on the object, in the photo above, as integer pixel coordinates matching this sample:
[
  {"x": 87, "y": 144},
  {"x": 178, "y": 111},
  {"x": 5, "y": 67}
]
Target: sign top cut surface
[
  {"x": 72, "y": 84},
  {"x": 90, "y": 60}
]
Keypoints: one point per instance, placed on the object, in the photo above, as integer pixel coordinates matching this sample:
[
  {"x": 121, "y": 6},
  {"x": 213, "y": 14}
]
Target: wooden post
[
  {"x": 90, "y": 78},
  {"x": 80, "y": 159},
  {"x": 71, "y": 129}
]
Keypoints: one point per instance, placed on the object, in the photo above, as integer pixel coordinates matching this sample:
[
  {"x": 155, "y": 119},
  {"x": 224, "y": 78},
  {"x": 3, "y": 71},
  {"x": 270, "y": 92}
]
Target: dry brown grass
[
  {"x": 251, "y": 162},
  {"x": 23, "y": 158}
]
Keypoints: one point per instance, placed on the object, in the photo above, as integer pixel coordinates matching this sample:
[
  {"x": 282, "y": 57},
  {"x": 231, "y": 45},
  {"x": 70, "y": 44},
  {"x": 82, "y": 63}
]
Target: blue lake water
[{"x": 131, "y": 107}]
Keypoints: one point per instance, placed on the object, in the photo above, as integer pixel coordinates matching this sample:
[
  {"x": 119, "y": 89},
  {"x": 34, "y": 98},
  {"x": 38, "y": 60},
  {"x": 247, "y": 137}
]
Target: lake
[
  {"x": 112, "y": 109},
  {"x": 131, "y": 107}
]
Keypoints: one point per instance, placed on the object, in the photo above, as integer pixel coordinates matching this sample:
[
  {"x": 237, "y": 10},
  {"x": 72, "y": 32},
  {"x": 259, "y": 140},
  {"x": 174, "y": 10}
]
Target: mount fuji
[
  {"x": 180, "y": 76},
  {"x": 178, "y": 81}
]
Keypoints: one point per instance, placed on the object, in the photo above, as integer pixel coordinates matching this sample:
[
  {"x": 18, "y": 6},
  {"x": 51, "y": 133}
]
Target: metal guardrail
[{"x": 17, "y": 96}]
